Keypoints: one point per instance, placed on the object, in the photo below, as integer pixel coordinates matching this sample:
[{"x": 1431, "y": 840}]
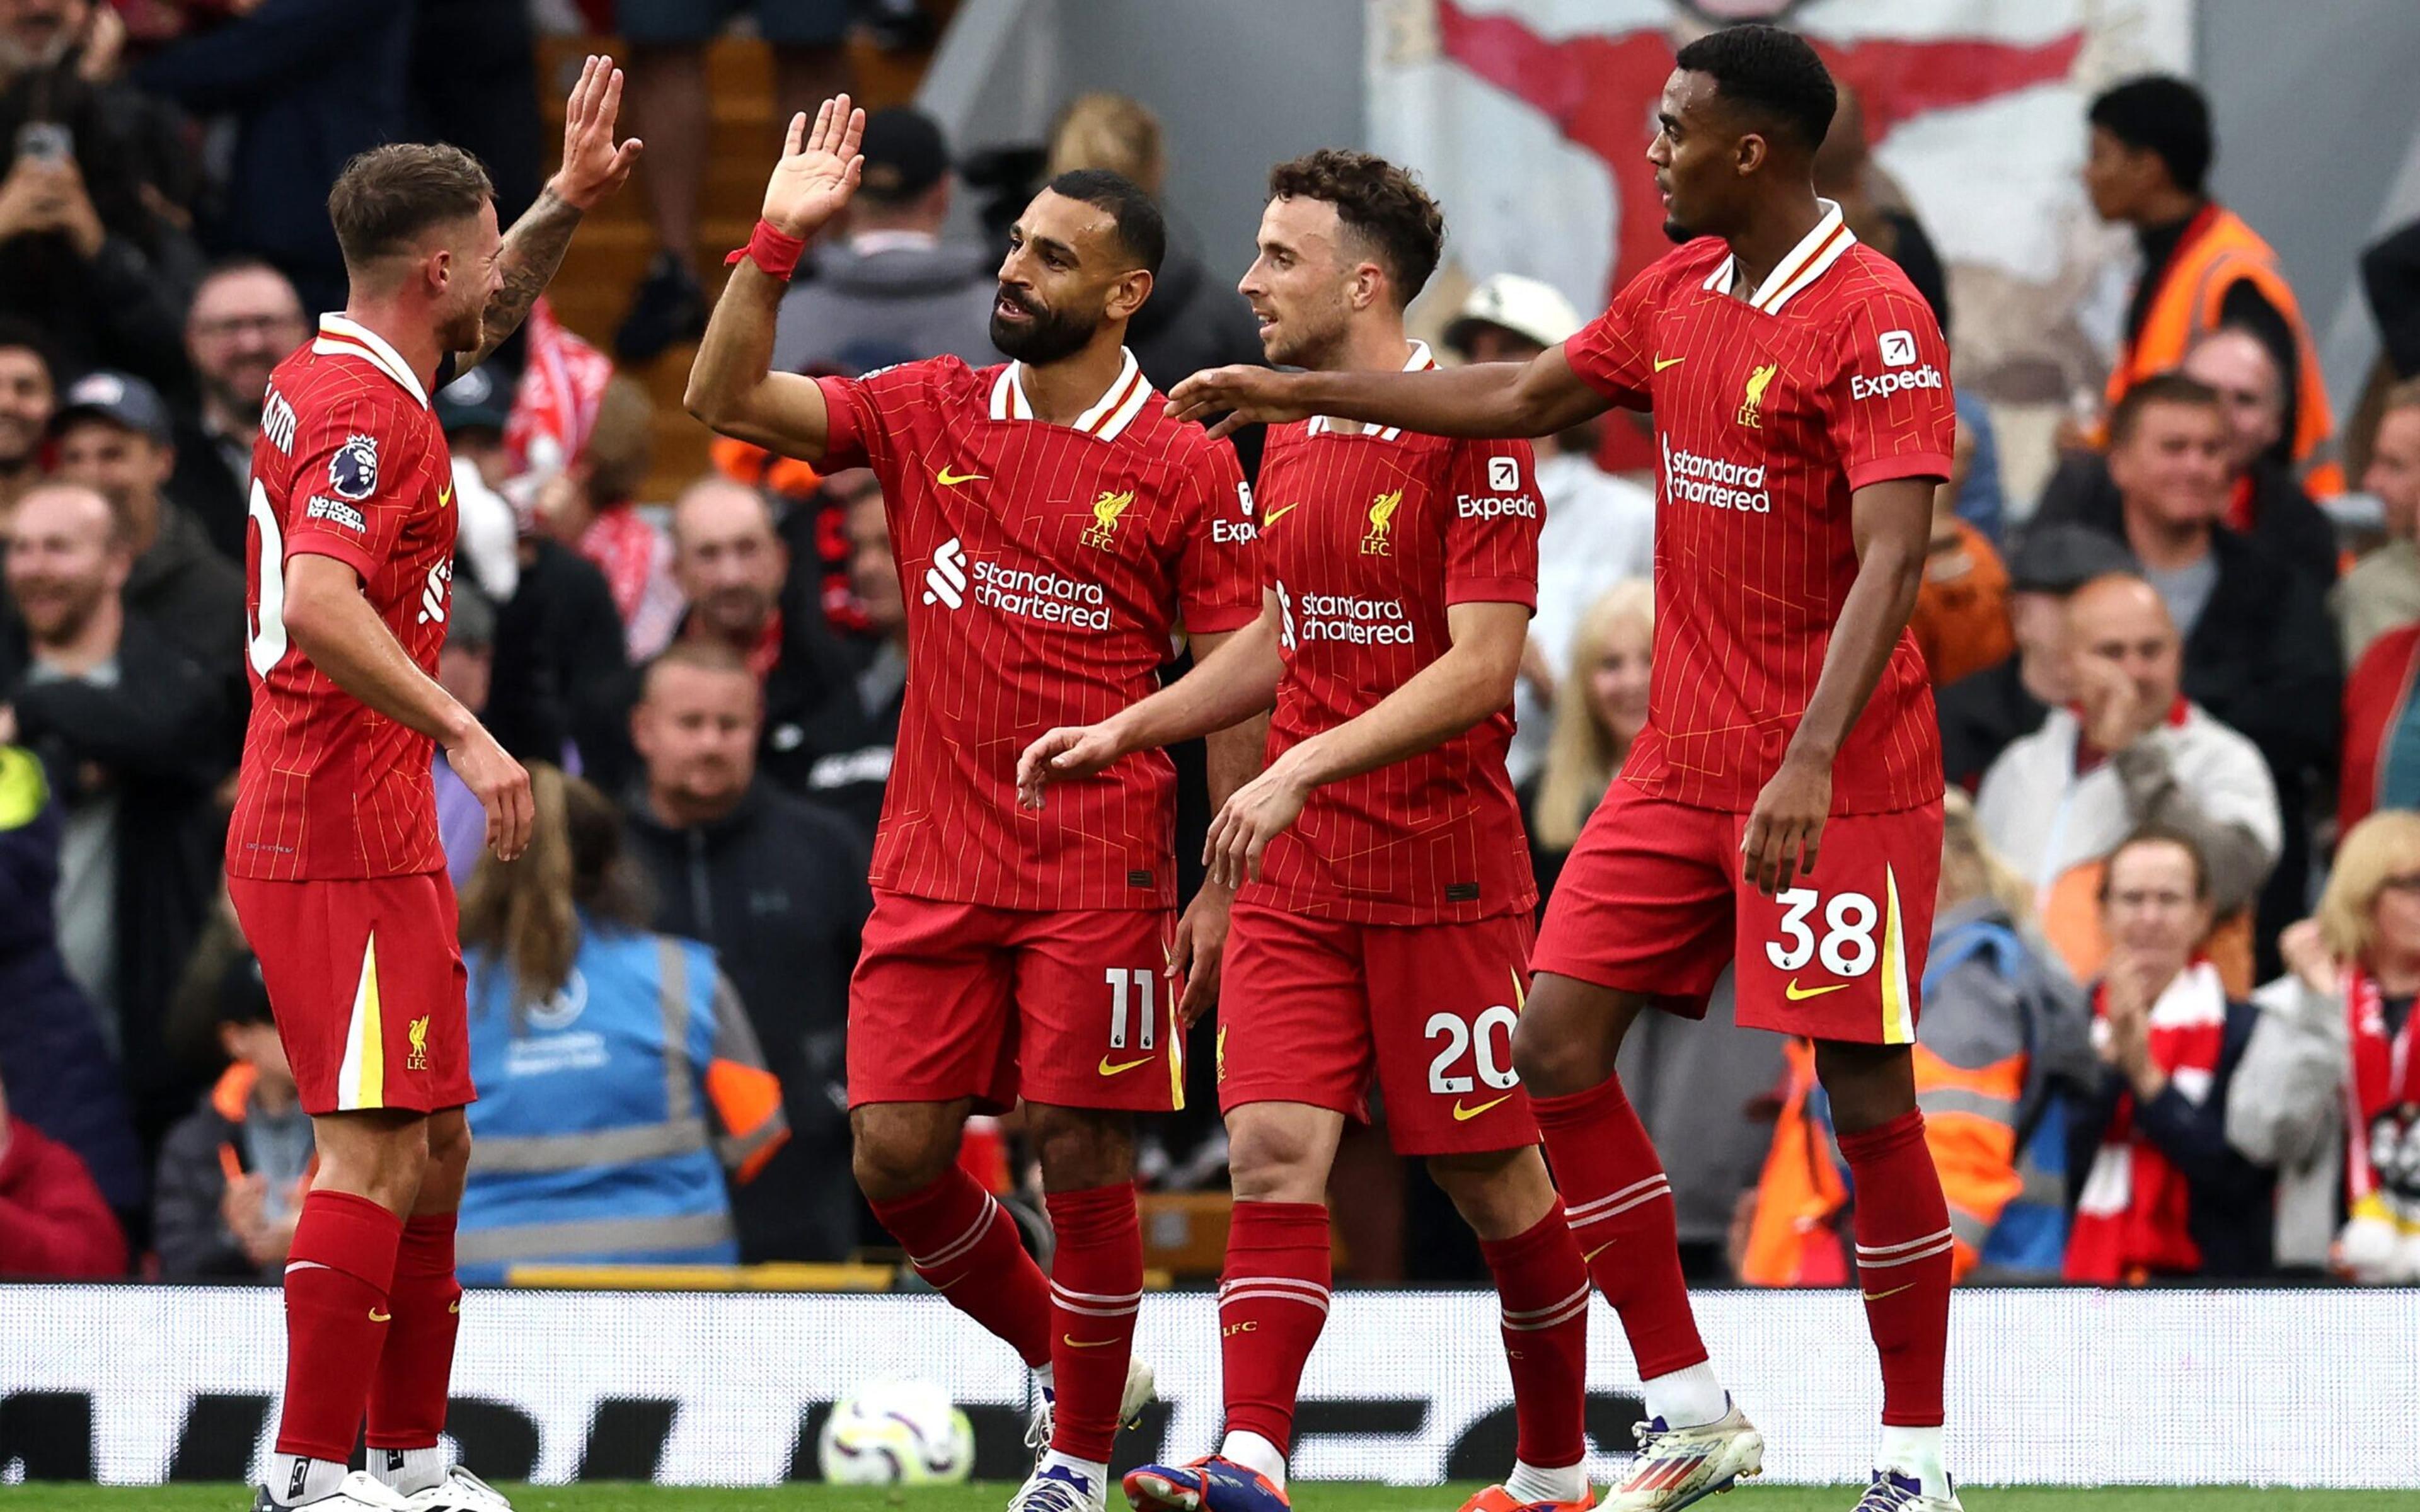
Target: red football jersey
[
  {"x": 1045, "y": 568},
  {"x": 1769, "y": 412},
  {"x": 1365, "y": 538},
  {"x": 350, "y": 464}
]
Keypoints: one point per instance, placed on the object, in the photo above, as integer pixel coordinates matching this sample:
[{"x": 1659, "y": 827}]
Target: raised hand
[
  {"x": 1246, "y": 395},
  {"x": 819, "y": 170},
  {"x": 593, "y": 166}
]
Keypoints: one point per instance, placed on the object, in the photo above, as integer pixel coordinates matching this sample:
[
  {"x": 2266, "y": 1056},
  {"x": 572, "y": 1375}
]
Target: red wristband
[{"x": 771, "y": 250}]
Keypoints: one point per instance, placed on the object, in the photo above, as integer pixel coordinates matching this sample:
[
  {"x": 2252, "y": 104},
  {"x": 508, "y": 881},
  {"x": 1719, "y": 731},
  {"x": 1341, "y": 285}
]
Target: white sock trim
[
  {"x": 1687, "y": 1398},
  {"x": 1253, "y": 1452},
  {"x": 1533, "y": 1483}
]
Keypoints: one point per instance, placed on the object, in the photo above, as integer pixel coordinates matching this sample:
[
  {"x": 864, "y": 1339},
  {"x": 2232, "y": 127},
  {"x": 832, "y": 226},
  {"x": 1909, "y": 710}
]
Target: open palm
[{"x": 819, "y": 170}]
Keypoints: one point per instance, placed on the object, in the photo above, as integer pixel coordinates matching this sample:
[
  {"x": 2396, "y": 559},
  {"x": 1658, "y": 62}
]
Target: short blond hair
[
  {"x": 2384, "y": 845},
  {"x": 1113, "y": 132},
  {"x": 1580, "y": 754}
]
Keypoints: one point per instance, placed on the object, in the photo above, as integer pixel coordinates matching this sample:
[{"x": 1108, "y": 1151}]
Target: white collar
[
  {"x": 1420, "y": 361},
  {"x": 341, "y": 338},
  {"x": 1816, "y": 251},
  {"x": 1110, "y": 415}
]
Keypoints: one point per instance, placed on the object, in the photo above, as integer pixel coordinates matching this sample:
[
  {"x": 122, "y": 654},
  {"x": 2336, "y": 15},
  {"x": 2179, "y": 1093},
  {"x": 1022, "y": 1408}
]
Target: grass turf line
[{"x": 1310, "y": 1496}]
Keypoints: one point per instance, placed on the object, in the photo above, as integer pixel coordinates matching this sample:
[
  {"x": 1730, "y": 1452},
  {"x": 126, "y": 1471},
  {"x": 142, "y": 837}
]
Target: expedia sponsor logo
[
  {"x": 1862, "y": 387},
  {"x": 1044, "y": 597},
  {"x": 335, "y": 512},
  {"x": 1488, "y": 506},
  {"x": 1714, "y": 482},
  {"x": 1232, "y": 533},
  {"x": 1346, "y": 619}
]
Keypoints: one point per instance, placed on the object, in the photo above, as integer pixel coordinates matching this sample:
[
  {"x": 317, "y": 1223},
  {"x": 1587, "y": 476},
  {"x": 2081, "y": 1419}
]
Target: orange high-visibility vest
[{"x": 2216, "y": 251}]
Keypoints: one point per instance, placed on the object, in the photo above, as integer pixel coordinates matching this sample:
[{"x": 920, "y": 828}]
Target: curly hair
[{"x": 1382, "y": 204}]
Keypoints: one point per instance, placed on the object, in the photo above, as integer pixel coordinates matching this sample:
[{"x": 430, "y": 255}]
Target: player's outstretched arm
[
  {"x": 327, "y": 618},
  {"x": 1472, "y": 679},
  {"x": 593, "y": 167},
  {"x": 1486, "y": 400},
  {"x": 1235, "y": 680},
  {"x": 1892, "y": 523},
  {"x": 731, "y": 386}
]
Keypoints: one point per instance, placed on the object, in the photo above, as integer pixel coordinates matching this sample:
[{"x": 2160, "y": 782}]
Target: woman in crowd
[
  {"x": 2330, "y": 1088},
  {"x": 2156, "y": 1189},
  {"x": 1599, "y": 710},
  {"x": 617, "y": 1073}
]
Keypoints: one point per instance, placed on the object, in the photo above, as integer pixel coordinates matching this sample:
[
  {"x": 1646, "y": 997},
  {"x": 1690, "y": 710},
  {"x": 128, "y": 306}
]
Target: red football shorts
[
  {"x": 1075, "y": 1008},
  {"x": 1316, "y": 1010},
  {"x": 365, "y": 979},
  {"x": 1652, "y": 901}
]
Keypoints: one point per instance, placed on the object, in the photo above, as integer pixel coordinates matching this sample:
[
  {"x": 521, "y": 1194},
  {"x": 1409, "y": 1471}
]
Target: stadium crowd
[{"x": 2166, "y": 1025}]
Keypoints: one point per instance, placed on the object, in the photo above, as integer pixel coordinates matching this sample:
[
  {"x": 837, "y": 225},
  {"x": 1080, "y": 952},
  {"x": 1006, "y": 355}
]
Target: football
[{"x": 896, "y": 1433}]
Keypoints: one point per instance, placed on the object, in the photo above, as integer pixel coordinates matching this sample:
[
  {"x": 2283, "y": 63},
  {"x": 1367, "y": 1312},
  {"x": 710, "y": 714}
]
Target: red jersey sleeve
[
  {"x": 355, "y": 483},
  {"x": 1218, "y": 576},
  {"x": 866, "y": 415},
  {"x": 1613, "y": 353},
  {"x": 1491, "y": 538},
  {"x": 1887, "y": 405}
]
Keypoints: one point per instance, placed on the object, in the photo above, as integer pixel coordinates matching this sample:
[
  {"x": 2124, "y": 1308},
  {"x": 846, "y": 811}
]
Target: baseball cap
[
  {"x": 1523, "y": 306},
  {"x": 905, "y": 153},
  {"x": 2061, "y": 558},
  {"x": 120, "y": 398},
  {"x": 481, "y": 399}
]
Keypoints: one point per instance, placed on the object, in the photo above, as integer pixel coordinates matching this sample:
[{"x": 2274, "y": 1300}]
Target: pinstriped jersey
[
  {"x": 1045, "y": 568},
  {"x": 1769, "y": 412},
  {"x": 1366, "y": 538},
  {"x": 350, "y": 464}
]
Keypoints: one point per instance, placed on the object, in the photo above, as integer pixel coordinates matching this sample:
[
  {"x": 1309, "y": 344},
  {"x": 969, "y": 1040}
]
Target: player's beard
[
  {"x": 1048, "y": 336},
  {"x": 1676, "y": 233},
  {"x": 465, "y": 331},
  {"x": 1309, "y": 340}
]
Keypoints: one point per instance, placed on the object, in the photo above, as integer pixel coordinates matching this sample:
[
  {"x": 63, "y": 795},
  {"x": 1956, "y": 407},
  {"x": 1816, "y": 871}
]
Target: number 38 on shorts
[{"x": 1836, "y": 965}]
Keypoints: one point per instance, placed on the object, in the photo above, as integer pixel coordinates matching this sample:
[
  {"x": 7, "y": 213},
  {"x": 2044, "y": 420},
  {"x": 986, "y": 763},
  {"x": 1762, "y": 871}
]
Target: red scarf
[
  {"x": 562, "y": 384},
  {"x": 2384, "y": 1076},
  {"x": 2130, "y": 1220}
]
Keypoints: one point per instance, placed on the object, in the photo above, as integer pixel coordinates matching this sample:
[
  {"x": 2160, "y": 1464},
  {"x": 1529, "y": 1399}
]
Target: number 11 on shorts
[{"x": 1125, "y": 987}]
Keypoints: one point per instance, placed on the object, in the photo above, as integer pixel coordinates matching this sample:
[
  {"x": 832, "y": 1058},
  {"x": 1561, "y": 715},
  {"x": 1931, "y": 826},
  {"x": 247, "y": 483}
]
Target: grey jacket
[
  {"x": 861, "y": 311},
  {"x": 2287, "y": 1111}
]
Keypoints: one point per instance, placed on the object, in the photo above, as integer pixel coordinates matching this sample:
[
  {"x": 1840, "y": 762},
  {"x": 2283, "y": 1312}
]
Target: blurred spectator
[
  {"x": 2157, "y": 1192},
  {"x": 777, "y": 887},
  {"x": 308, "y": 84},
  {"x": 474, "y": 84},
  {"x": 2001, "y": 1024},
  {"x": 590, "y": 506},
  {"x": 28, "y": 396},
  {"x": 60, "y": 1075},
  {"x": 1985, "y": 712},
  {"x": 2337, "y": 1029},
  {"x": 245, "y": 319},
  {"x": 618, "y": 1074},
  {"x": 473, "y": 410},
  {"x": 891, "y": 289},
  {"x": 742, "y": 594},
  {"x": 2128, "y": 752},
  {"x": 465, "y": 668},
  {"x": 2150, "y": 152},
  {"x": 129, "y": 727},
  {"x": 233, "y": 1173},
  {"x": 2261, "y": 500},
  {"x": 854, "y": 768},
  {"x": 1599, "y": 710},
  {"x": 671, "y": 110},
  {"x": 1962, "y": 607},
  {"x": 54, "y": 1225},
  {"x": 97, "y": 197},
  {"x": 2389, "y": 276},
  {"x": 1600, "y": 530},
  {"x": 113, "y": 437},
  {"x": 1704, "y": 1092},
  {"x": 2382, "y": 590}
]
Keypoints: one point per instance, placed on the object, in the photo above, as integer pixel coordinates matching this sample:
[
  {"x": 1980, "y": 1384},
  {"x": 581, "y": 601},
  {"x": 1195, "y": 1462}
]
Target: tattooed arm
[{"x": 593, "y": 167}]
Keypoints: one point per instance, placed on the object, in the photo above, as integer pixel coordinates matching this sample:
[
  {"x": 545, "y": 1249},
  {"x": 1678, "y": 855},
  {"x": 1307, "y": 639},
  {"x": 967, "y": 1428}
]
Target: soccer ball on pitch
[{"x": 896, "y": 1433}]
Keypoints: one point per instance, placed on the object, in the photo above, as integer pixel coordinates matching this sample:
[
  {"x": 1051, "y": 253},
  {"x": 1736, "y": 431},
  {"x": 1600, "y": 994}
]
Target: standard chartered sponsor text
[
  {"x": 1044, "y": 597},
  {"x": 1712, "y": 481},
  {"x": 1361, "y": 622}
]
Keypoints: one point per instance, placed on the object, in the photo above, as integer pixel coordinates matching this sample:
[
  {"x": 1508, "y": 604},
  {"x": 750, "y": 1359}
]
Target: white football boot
[{"x": 1676, "y": 1467}]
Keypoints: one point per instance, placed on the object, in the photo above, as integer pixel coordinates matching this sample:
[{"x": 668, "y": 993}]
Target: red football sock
[
  {"x": 1272, "y": 1303},
  {"x": 1903, "y": 1263},
  {"x": 1544, "y": 1290},
  {"x": 1620, "y": 1209},
  {"x": 407, "y": 1408},
  {"x": 1095, "y": 1290},
  {"x": 336, "y": 1280},
  {"x": 966, "y": 1247}
]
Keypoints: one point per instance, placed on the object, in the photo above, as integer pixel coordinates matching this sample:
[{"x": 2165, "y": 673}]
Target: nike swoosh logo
[
  {"x": 1877, "y": 1296},
  {"x": 1663, "y": 363},
  {"x": 1463, "y": 1115},
  {"x": 1275, "y": 514},
  {"x": 454, "y": 1307},
  {"x": 1074, "y": 1343},
  {"x": 951, "y": 480},
  {"x": 445, "y": 495},
  {"x": 1799, "y": 994},
  {"x": 1107, "y": 1069},
  {"x": 377, "y": 1316},
  {"x": 1599, "y": 1250}
]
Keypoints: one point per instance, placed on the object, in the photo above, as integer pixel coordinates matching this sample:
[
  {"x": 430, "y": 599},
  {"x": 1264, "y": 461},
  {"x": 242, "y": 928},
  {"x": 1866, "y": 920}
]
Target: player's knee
[
  {"x": 1080, "y": 1148},
  {"x": 1868, "y": 1085},
  {"x": 1272, "y": 1160},
  {"x": 893, "y": 1158},
  {"x": 1552, "y": 1062},
  {"x": 449, "y": 1144},
  {"x": 1500, "y": 1194}
]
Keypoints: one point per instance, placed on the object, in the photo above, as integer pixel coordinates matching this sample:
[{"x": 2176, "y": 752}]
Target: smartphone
[{"x": 45, "y": 142}]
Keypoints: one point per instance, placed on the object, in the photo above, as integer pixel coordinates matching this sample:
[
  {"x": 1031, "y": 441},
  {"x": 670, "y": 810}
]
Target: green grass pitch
[{"x": 1310, "y": 1497}]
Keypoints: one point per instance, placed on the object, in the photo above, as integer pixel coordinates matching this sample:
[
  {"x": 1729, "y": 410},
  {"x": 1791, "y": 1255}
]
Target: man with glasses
[{"x": 244, "y": 319}]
